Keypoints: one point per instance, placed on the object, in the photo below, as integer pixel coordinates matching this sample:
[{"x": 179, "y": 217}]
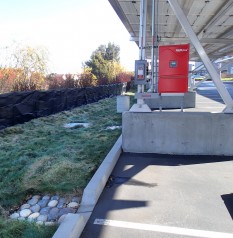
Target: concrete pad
[
  {"x": 140, "y": 108},
  {"x": 188, "y": 133},
  {"x": 186, "y": 101}
]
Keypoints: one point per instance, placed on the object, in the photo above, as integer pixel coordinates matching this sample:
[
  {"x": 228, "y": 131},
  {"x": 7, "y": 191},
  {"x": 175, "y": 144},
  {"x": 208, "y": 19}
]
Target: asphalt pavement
[
  {"x": 165, "y": 196},
  {"x": 208, "y": 98}
]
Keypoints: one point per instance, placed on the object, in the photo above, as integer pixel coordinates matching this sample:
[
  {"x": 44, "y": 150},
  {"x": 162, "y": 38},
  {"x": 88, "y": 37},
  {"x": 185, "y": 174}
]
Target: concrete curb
[{"x": 74, "y": 224}]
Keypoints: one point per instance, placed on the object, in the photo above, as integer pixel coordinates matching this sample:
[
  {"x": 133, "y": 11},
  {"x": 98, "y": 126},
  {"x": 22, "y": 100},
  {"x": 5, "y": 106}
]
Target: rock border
[
  {"x": 73, "y": 224},
  {"x": 48, "y": 210}
]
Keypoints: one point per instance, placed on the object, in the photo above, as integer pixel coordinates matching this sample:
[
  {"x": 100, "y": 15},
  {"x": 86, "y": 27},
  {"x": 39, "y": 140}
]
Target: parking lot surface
[{"x": 166, "y": 196}]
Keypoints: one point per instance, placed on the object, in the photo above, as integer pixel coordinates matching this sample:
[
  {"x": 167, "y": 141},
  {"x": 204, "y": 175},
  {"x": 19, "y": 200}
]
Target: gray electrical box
[{"x": 140, "y": 71}]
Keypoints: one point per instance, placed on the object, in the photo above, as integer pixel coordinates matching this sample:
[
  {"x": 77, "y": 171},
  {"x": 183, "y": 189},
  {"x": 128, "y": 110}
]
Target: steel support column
[
  {"x": 142, "y": 38},
  {"x": 141, "y": 106},
  {"x": 204, "y": 57},
  {"x": 198, "y": 83}
]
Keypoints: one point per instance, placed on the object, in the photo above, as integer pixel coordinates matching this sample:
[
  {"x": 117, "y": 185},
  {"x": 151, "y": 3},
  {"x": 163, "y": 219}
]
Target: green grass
[
  {"x": 43, "y": 157},
  {"x": 227, "y": 79},
  {"x": 223, "y": 79},
  {"x": 13, "y": 229}
]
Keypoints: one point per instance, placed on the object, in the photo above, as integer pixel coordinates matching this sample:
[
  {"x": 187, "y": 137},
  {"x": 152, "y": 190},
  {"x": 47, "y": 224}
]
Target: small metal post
[
  {"x": 160, "y": 103},
  {"x": 182, "y": 104}
]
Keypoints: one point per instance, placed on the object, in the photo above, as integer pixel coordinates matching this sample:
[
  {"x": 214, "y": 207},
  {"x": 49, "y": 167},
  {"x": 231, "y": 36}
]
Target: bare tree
[{"x": 31, "y": 64}]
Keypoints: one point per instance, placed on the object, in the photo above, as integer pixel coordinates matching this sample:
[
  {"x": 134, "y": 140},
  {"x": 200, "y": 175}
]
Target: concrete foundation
[
  {"x": 181, "y": 133},
  {"x": 188, "y": 101}
]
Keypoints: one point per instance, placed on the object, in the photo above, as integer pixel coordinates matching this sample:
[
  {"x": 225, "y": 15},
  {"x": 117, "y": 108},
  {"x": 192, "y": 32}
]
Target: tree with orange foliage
[{"x": 7, "y": 77}]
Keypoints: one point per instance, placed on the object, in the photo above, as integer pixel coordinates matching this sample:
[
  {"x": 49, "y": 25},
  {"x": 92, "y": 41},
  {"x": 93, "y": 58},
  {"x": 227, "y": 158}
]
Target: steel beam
[
  {"x": 204, "y": 57},
  {"x": 225, "y": 8},
  {"x": 213, "y": 55},
  {"x": 184, "y": 40},
  {"x": 216, "y": 41},
  {"x": 186, "y": 9},
  {"x": 116, "y": 6},
  {"x": 198, "y": 83},
  {"x": 225, "y": 34}
]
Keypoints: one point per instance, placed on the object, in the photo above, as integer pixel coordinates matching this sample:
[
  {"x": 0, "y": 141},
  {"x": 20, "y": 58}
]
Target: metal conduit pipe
[
  {"x": 141, "y": 29},
  {"x": 144, "y": 34},
  {"x": 142, "y": 39},
  {"x": 157, "y": 47},
  {"x": 139, "y": 87},
  {"x": 153, "y": 48}
]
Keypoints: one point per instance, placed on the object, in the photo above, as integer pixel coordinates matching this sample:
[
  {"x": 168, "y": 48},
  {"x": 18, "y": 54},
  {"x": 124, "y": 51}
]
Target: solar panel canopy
[{"x": 211, "y": 20}]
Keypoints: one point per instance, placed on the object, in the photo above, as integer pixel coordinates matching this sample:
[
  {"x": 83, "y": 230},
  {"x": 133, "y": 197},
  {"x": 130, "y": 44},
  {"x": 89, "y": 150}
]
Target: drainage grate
[{"x": 127, "y": 181}]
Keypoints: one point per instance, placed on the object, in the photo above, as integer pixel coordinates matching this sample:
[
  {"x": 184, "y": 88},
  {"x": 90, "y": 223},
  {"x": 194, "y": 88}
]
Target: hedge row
[{"x": 20, "y": 107}]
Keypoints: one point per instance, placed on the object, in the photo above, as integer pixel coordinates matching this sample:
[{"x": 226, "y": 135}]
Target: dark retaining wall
[{"x": 19, "y": 107}]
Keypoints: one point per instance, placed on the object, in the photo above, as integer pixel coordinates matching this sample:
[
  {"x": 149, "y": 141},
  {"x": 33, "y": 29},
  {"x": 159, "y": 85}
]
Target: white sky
[{"x": 70, "y": 29}]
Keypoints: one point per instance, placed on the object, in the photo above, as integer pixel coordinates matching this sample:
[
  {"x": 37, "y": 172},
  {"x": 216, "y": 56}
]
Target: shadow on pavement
[
  {"x": 174, "y": 160},
  {"x": 228, "y": 200},
  {"x": 124, "y": 176}
]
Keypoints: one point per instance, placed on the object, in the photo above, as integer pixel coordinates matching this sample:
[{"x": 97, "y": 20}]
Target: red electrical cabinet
[{"x": 173, "y": 68}]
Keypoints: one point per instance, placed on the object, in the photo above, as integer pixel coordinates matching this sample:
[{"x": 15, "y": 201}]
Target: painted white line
[
  {"x": 211, "y": 102},
  {"x": 203, "y": 106},
  {"x": 163, "y": 229}
]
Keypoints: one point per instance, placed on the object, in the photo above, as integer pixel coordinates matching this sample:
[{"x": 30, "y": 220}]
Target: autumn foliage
[
  {"x": 7, "y": 79},
  {"x": 28, "y": 69},
  {"x": 85, "y": 79},
  {"x": 14, "y": 80},
  {"x": 124, "y": 77}
]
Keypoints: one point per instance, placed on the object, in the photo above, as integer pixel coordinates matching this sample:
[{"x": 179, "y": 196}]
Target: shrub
[
  {"x": 36, "y": 81},
  {"x": 124, "y": 77},
  {"x": 87, "y": 79},
  {"x": 56, "y": 81}
]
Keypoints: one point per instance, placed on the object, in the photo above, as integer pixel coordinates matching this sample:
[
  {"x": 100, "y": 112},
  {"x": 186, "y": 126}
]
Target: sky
[{"x": 69, "y": 29}]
